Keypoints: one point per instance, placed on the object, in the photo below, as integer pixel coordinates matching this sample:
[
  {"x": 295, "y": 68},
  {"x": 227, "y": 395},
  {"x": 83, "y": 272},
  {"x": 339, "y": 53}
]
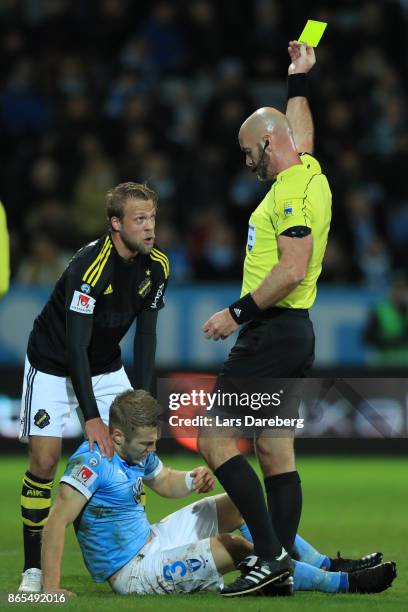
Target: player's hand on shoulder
[
  {"x": 98, "y": 432},
  {"x": 203, "y": 479},
  {"x": 220, "y": 325},
  {"x": 302, "y": 57}
]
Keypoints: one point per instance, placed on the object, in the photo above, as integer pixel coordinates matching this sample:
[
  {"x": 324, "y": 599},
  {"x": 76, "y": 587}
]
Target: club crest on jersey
[
  {"x": 82, "y": 303},
  {"x": 251, "y": 237},
  {"x": 144, "y": 286},
  {"x": 93, "y": 461},
  {"x": 137, "y": 489},
  {"x": 85, "y": 288},
  {"x": 195, "y": 564},
  {"x": 42, "y": 419},
  {"x": 287, "y": 209}
]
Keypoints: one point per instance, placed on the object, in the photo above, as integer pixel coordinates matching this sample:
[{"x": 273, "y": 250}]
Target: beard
[
  {"x": 262, "y": 170},
  {"x": 136, "y": 246}
]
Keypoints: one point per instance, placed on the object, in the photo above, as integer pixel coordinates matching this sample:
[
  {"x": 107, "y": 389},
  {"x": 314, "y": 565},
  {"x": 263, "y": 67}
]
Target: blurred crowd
[{"x": 97, "y": 92}]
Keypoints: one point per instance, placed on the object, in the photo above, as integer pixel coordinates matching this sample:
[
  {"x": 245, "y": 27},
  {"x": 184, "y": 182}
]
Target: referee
[
  {"x": 73, "y": 356},
  {"x": 287, "y": 238}
]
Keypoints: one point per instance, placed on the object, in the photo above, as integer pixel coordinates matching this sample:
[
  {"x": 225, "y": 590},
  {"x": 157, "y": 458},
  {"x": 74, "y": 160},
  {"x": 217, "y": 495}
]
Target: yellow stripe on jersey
[
  {"x": 97, "y": 260},
  {"x": 101, "y": 267},
  {"x": 162, "y": 259}
]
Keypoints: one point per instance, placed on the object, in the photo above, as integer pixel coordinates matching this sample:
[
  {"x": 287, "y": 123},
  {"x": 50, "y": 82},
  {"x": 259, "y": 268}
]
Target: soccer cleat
[
  {"x": 279, "y": 589},
  {"x": 374, "y": 579},
  {"x": 354, "y": 565},
  {"x": 31, "y": 581},
  {"x": 257, "y": 573}
]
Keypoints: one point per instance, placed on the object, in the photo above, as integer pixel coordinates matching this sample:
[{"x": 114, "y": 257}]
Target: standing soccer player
[
  {"x": 73, "y": 357},
  {"x": 287, "y": 238}
]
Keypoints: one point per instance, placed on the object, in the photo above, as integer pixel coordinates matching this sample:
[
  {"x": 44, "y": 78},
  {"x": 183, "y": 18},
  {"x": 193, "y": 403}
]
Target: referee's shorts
[{"x": 270, "y": 357}]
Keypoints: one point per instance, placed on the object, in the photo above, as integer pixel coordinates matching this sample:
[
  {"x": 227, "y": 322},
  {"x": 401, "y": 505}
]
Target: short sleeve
[
  {"x": 291, "y": 212},
  {"x": 153, "y": 466},
  {"x": 85, "y": 473}
]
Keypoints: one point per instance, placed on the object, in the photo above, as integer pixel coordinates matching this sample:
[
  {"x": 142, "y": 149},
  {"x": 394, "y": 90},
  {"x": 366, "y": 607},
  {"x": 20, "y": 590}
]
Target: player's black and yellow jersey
[
  {"x": 104, "y": 289},
  {"x": 300, "y": 196}
]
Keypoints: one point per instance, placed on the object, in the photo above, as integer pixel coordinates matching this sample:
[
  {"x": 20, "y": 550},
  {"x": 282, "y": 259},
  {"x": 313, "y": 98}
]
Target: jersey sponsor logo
[
  {"x": 42, "y": 419},
  {"x": 144, "y": 287},
  {"x": 82, "y": 303},
  {"x": 251, "y": 237},
  {"x": 287, "y": 209},
  {"x": 84, "y": 475},
  {"x": 158, "y": 295},
  {"x": 85, "y": 288},
  {"x": 108, "y": 290}
]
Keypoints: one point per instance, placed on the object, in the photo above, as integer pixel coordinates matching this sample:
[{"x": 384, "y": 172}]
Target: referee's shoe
[{"x": 257, "y": 573}]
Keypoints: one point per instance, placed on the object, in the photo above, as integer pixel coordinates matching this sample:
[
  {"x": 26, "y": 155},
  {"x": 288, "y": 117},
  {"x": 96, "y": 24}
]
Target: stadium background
[{"x": 101, "y": 91}]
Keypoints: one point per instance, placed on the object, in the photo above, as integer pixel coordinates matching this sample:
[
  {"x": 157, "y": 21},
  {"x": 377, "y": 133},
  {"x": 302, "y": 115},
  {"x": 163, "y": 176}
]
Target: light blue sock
[
  {"x": 306, "y": 553},
  {"x": 246, "y": 533},
  {"x": 309, "y": 578}
]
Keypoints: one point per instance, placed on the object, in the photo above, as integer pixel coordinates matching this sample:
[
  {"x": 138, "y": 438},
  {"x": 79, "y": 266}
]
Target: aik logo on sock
[{"x": 42, "y": 419}]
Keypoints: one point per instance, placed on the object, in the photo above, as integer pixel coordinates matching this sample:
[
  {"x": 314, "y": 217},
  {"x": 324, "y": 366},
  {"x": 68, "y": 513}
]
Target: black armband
[
  {"x": 245, "y": 309},
  {"x": 297, "y": 231},
  {"x": 297, "y": 85}
]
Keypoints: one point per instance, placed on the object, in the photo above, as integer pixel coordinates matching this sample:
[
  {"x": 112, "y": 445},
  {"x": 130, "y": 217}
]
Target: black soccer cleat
[
  {"x": 354, "y": 565},
  {"x": 257, "y": 573},
  {"x": 374, "y": 579},
  {"x": 284, "y": 588}
]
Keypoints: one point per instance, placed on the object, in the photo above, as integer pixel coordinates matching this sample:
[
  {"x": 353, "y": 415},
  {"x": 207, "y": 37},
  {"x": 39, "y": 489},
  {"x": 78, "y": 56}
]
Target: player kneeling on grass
[{"x": 187, "y": 551}]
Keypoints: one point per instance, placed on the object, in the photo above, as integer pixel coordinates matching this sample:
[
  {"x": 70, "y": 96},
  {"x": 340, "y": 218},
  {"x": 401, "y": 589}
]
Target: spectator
[{"x": 387, "y": 329}]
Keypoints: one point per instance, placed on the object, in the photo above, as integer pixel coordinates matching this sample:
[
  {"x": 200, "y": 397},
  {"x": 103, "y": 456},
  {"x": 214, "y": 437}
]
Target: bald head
[
  {"x": 267, "y": 141},
  {"x": 265, "y": 120}
]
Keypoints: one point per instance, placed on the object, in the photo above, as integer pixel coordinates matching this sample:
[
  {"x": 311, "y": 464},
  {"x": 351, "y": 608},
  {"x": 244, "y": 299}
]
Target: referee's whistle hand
[
  {"x": 98, "y": 432},
  {"x": 219, "y": 326}
]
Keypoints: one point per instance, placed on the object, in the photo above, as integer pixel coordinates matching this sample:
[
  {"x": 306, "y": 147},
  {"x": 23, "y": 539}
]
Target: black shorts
[{"x": 262, "y": 377}]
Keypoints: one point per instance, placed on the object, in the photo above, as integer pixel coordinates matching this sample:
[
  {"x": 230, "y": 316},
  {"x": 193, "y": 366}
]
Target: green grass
[{"x": 356, "y": 505}]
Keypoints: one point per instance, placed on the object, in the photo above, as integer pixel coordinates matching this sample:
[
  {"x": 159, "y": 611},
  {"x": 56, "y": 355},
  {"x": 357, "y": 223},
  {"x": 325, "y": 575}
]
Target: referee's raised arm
[{"x": 298, "y": 110}]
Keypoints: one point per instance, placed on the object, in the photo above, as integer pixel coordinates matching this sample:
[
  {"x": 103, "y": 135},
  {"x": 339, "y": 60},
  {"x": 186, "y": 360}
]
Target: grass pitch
[{"x": 355, "y": 505}]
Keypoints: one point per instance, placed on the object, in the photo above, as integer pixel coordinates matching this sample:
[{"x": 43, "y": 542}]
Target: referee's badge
[
  {"x": 287, "y": 209},
  {"x": 251, "y": 237}
]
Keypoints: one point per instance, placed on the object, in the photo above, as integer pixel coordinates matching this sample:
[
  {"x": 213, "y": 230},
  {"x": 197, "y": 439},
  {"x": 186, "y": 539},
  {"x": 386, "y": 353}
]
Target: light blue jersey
[{"x": 113, "y": 526}]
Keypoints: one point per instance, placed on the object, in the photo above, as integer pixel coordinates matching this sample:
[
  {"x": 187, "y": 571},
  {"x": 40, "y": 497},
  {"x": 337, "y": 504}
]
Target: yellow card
[{"x": 312, "y": 32}]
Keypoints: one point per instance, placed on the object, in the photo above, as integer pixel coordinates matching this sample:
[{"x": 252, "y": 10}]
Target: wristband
[
  {"x": 189, "y": 481},
  {"x": 297, "y": 85},
  {"x": 245, "y": 309}
]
